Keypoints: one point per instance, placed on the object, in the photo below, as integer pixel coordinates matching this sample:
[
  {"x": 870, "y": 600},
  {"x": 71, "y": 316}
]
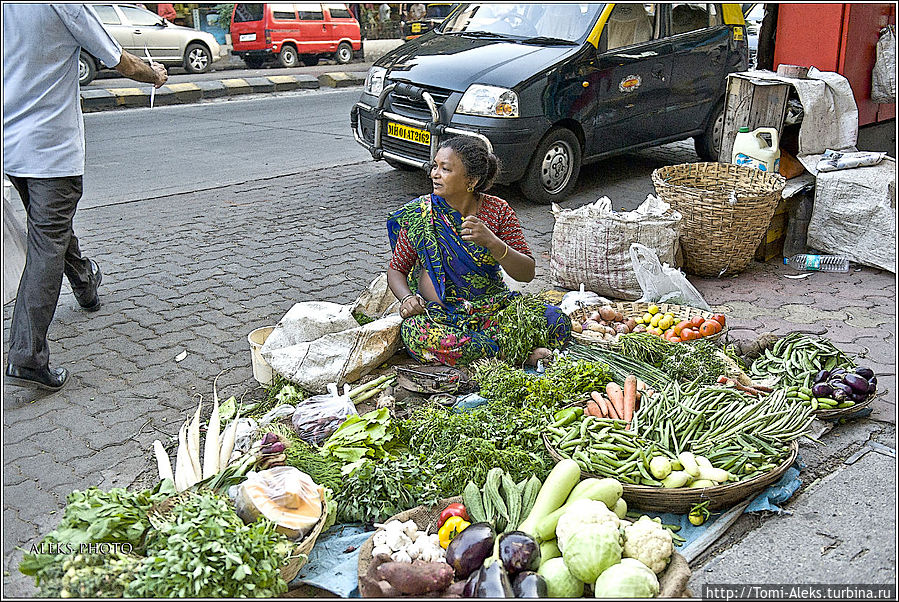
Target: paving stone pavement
[{"x": 197, "y": 272}]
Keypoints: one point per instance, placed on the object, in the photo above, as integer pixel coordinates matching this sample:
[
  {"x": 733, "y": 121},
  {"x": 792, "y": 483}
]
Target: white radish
[
  {"x": 211, "y": 450},
  {"x": 162, "y": 462},
  {"x": 193, "y": 443},
  {"x": 181, "y": 461},
  {"x": 228, "y": 443}
]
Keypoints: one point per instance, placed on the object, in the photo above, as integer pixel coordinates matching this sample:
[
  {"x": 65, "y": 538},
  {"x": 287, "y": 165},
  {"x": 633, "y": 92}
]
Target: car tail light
[{"x": 268, "y": 36}]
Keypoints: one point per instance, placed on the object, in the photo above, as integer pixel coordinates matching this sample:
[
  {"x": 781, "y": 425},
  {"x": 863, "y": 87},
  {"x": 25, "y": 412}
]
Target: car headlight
[
  {"x": 374, "y": 81},
  {"x": 490, "y": 101}
]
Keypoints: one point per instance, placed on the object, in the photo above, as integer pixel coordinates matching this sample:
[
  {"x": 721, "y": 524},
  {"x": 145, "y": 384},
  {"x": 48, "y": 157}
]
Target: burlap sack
[{"x": 591, "y": 244}]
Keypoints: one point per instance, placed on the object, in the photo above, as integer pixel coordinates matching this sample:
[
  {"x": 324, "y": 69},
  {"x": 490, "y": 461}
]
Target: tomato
[
  {"x": 696, "y": 321},
  {"x": 680, "y": 326},
  {"x": 687, "y": 334},
  {"x": 720, "y": 319},
  {"x": 709, "y": 328},
  {"x": 675, "y": 339}
]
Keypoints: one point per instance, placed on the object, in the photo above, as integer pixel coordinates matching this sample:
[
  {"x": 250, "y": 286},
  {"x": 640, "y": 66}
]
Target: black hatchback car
[{"x": 550, "y": 87}]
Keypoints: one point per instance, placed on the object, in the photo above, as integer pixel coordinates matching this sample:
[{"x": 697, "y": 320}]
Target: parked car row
[
  {"x": 142, "y": 32},
  {"x": 552, "y": 87}
]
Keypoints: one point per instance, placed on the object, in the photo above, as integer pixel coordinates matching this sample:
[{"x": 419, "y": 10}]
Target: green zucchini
[{"x": 558, "y": 484}]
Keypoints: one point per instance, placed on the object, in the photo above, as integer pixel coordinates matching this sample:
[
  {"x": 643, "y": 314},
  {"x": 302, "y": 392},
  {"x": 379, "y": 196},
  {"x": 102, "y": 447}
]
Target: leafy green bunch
[
  {"x": 201, "y": 548},
  {"x": 565, "y": 380},
  {"x": 522, "y": 328},
  {"x": 686, "y": 362},
  {"x": 367, "y": 436},
  {"x": 375, "y": 491}
]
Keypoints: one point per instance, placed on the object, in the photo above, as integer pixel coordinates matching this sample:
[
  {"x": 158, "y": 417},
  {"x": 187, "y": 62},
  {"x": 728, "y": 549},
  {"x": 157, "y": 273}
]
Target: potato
[
  {"x": 594, "y": 315},
  {"x": 576, "y": 326},
  {"x": 619, "y": 317},
  {"x": 631, "y": 323},
  {"x": 622, "y": 328},
  {"x": 607, "y": 313},
  {"x": 417, "y": 578}
]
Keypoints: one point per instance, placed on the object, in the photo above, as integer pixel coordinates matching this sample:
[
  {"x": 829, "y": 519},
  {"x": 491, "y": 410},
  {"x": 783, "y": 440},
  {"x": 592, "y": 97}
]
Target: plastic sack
[
  {"x": 319, "y": 342},
  {"x": 883, "y": 76},
  {"x": 590, "y": 244},
  {"x": 317, "y": 417},
  {"x": 14, "y": 247},
  {"x": 284, "y": 495},
  {"x": 661, "y": 283}
]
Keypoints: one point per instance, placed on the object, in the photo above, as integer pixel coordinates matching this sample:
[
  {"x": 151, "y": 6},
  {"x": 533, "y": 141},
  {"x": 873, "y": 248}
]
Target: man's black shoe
[
  {"x": 92, "y": 301},
  {"x": 43, "y": 378}
]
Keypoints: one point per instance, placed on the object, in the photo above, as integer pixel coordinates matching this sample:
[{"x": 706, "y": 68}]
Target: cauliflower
[
  {"x": 649, "y": 542},
  {"x": 581, "y": 513}
]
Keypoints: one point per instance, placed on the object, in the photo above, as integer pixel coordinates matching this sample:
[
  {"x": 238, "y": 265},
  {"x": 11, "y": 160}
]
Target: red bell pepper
[{"x": 452, "y": 510}]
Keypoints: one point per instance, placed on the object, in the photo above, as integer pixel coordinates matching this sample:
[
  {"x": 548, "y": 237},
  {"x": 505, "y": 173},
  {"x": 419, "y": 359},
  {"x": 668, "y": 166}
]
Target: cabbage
[
  {"x": 628, "y": 579},
  {"x": 592, "y": 550},
  {"x": 560, "y": 583}
]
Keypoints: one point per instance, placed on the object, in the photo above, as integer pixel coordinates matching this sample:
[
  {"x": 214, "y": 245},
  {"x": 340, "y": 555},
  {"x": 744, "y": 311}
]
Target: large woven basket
[
  {"x": 632, "y": 309},
  {"x": 300, "y": 553},
  {"x": 726, "y": 211},
  {"x": 672, "y": 581},
  {"x": 680, "y": 500},
  {"x": 837, "y": 413}
]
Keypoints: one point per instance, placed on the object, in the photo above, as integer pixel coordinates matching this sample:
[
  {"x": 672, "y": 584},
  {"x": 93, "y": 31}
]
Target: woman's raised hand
[{"x": 476, "y": 231}]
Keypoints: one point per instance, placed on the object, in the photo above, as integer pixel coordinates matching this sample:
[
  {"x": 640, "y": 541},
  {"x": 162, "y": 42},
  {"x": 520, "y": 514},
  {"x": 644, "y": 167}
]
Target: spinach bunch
[
  {"x": 375, "y": 491},
  {"x": 202, "y": 549},
  {"x": 502, "y": 382},
  {"x": 87, "y": 575},
  {"x": 522, "y": 328},
  {"x": 565, "y": 380}
]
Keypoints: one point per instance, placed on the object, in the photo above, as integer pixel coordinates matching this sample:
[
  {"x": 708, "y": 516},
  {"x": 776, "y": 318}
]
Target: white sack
[
  {"x": 14, "y": 247},
  {"x": 591, "y": 244},
  {"x": 318, "y": 342},
  {"x": 855, "y": 214}
]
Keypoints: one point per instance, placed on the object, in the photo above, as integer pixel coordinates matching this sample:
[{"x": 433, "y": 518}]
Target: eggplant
[
  {"x": 858, "y": 384},
  {"x": 822, "y": 390},
  {"x": 493, "y": 581},
  {"x": 840, "y": 394},
  {"x": 471, "y": 585},
  {"x": 468, "y": 550},
  {"x": 865, "y": 373},
  {"x": 837, "y": 372},
  {"x": 518, "y": 552},
  {"x": 857, "y": 397},
  {"x": 822, "y": 376},
  {"x": 872, "y": 384},
  {"x": 528, "y": 584}
]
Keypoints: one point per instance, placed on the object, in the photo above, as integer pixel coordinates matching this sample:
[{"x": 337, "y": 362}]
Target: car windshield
[{"x": 550, "y": 22}]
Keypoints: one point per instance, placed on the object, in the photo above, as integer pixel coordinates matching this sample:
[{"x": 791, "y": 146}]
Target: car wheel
[
  {"x": 554, "y": 169},
  {"x": 400, "y": 166},
  {"x": 254, "y": 62},
  {"x": 289, "y": 57},
  {"x": 708, "y": 144},
  {"x": 197, "y": 59},
  {"x": 87, "y": 69},
  {"x": 310, "y": 60},
  {"x": 344, "y": 54}
]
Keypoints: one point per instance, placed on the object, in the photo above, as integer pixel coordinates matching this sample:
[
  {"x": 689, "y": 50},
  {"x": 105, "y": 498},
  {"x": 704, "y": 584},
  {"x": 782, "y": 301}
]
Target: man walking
[{"x": 43, "y": 156}]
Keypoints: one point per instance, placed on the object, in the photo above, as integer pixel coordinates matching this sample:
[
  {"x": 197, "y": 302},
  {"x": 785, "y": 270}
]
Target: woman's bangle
[
  {"x": 406, "y": 298},
  {"x": 506, "y": 253}
]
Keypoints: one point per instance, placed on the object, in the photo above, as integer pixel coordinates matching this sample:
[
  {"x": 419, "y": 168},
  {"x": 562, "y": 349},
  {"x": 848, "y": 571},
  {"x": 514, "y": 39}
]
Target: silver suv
[{"x": 139, "y": 31}]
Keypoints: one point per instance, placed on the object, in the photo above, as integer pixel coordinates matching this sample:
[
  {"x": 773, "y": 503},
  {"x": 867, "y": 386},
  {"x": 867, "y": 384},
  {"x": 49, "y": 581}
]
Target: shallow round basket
[
  {"x": 682, "y": 499},
  {"x": 726, "y": 211},
  {"x": 632, "y": 309},
  {"x": 300, "y": 554},
  {"x": 837, "y": 413},
  {"x": 672, "y": 581}
]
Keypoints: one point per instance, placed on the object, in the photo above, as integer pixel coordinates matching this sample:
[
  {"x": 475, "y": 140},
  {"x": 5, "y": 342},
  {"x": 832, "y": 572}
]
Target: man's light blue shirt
[{"x": 43, "y": 129}]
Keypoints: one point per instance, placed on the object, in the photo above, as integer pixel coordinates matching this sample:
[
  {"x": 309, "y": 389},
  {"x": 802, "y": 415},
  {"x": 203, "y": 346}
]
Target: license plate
[
  {"x": 248, "y": 37},
  {"x": 404, "y": 132}
]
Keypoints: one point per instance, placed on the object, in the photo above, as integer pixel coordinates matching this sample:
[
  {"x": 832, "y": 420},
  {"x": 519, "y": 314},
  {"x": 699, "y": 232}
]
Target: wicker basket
[
  {"x": 672, "y": 581},
  {"x": 680, "y": 500},
  {"x": 634, "y": 308},
  {"x": 300, "y": 554},
  {"x": 726, "y": 211},
  {"x": 837, "y": 413}
]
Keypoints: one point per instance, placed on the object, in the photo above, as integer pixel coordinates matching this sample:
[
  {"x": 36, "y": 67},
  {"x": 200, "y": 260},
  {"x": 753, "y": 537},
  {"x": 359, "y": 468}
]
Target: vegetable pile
[
  {"x": 794, "y": 357},
  {"x": 522, "y": 328}
]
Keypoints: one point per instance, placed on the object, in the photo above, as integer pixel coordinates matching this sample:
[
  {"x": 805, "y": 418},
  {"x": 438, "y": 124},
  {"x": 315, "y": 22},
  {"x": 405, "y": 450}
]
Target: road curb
[{"x": 105, "y": 99}]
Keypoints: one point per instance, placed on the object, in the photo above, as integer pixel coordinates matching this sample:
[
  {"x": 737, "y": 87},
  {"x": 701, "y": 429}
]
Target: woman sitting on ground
[{"x": 456, "y": 239}]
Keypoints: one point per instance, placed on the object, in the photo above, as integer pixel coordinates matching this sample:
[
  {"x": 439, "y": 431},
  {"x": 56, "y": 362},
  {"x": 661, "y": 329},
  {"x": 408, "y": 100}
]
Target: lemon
[
  {"x": 670, "y": 315},
  {"x": 655, "y": 320},
  {"x": 653, "y": 309},
  {"x": 665, "y": 323},
  {"x": 639, "y": 320},
  {"x": 646, "y": 318}
]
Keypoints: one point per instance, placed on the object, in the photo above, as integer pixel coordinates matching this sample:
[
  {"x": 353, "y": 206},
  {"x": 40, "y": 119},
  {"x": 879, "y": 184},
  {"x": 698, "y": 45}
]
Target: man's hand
[{"x": 134, "y": 68}]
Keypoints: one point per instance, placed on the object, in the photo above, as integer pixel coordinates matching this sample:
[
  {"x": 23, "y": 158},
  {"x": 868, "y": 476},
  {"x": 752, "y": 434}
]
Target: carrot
[
  {"x": 601, "y": 402},
  {"x": 616, "y": 396},
  {"x": 593, "y": 409},
  {"x": 613, "y": 413},
  {"x": 630, "y": 397}
]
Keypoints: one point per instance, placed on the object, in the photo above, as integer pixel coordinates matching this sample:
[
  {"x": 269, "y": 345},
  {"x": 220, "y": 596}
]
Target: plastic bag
[
  {"x": 284, "y": 495},
  {"x": 661, "y": 283},
  {"x": 317, "y": 417},
  {"x": 575, "y": 300},
  {"x": 833, "y": 160},
  {"x": 883, "y": 76},
  {"x": 590, "y": 244}
]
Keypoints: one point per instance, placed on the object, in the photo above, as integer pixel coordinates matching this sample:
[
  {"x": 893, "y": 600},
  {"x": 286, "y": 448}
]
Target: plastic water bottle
[{"x": 818, "y": 263}]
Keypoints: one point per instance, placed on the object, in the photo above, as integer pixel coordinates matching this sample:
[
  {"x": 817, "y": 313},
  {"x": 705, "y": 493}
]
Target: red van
[{"x": 294, "y": 32}]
